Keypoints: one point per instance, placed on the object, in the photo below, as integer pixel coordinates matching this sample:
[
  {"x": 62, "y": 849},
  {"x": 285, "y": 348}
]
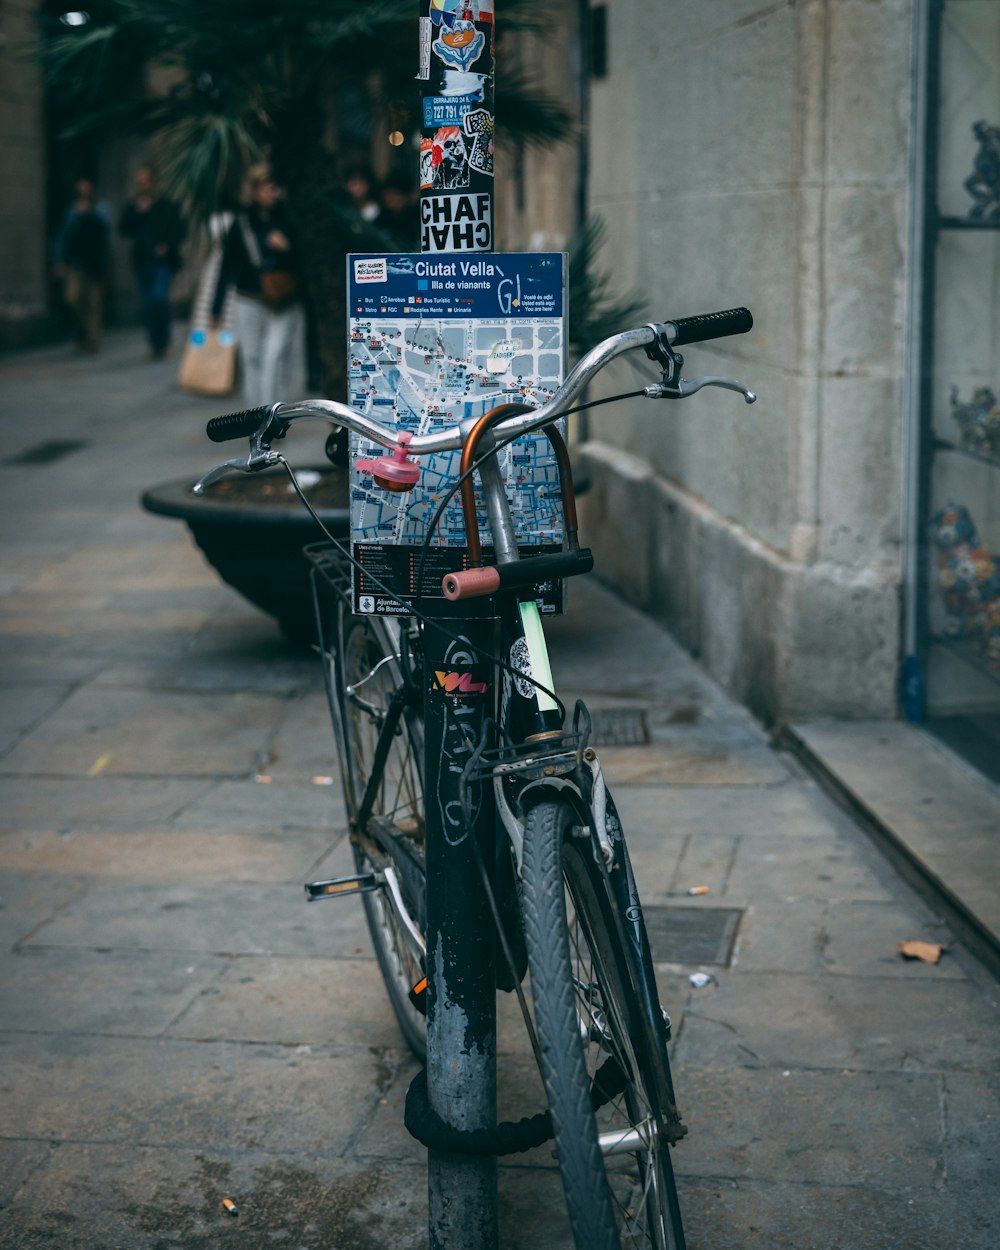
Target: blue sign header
[{"x": 527, "y": 285}]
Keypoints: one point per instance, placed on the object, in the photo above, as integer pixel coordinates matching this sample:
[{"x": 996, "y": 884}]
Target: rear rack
[{"x": 330, "y": 562}]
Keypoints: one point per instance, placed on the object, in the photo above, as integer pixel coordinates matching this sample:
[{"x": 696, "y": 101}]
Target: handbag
[
  {"x": 278, "y": 287},
  {"x": 208, "y": 366}
]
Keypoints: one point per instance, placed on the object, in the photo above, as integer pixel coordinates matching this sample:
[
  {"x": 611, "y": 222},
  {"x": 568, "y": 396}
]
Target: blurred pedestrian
[
  {"x": 400, "y": 217},
  {"x": 359, "y": 183},
  {"x": 81, "y": 253},
  {"x": 156, "y": 229},
  {"x": 261, "y": 260}
]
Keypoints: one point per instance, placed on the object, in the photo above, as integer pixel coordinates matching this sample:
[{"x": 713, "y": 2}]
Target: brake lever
[
  {"x": 672, "y": 385},
  {"x": 258, "y": 458},
  {"x": 684, "y": 387}
]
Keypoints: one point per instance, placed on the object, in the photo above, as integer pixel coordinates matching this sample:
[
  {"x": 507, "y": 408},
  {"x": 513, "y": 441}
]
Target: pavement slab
[
  {"x": 732, "y": 1214},
  {"x": 29, "y": 903},
  {"x": 811, "y": 1126},
  {"x": 254, "y": 806},
  {"x": 942, "y": 813},
  {"x": 132, "y": 993},
  {"x": 150, "y": 1197},
  {"x": 772, "y": 866},
  {"x": 38, "y": 661},
  {"x": 132, "y": 732},
  {"x": 764, "y": 1019},
  {"x": 795, "y": 808},
  {"x": 843, "y": 938},
  {"x": 205, "y": 1094},
  {"x": 235, "y": 918},
  {"x": 22, "y": 707},
  {"x": 18, "y": 1160},
  {"x": 972, "y": 1154},
  {"x": 294, "y": 1001},
  {"x": 193, "y": 855},
  {"x": 303, "y": 746},
  {"x": 263, "y": 664},
  {"x": 102, "y": 801}
]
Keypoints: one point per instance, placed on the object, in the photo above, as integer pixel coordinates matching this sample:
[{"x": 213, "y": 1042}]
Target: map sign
[{"x": 435, "y": 340}]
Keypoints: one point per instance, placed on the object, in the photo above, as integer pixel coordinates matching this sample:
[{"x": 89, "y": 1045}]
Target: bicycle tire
[
  {"x": 587, "y": 1011},
  {"x": 366, "y": 673}
]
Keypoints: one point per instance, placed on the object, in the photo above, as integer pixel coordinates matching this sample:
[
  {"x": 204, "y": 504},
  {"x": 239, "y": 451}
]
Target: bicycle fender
[{"x": 551, "y": 788}]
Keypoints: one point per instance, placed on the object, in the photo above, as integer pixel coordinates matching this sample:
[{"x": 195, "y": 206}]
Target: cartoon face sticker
[
  {"x": 459, "y": 46},
  {"x": 450, "y": 167}
]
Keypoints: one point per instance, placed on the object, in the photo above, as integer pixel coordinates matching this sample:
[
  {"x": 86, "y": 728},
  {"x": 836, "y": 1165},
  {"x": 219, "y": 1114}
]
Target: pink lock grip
[{"x": 470, "y": 583}]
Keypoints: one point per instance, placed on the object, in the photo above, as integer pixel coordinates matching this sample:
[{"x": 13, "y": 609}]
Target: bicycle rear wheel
[
  {"x": 599, "y": 1045},
  {"x": 380, "y": 736}
]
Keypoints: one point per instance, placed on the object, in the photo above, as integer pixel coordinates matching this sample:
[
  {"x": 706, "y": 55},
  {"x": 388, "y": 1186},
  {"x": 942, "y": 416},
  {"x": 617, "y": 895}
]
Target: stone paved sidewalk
[{"x": 177, "y": 1026}]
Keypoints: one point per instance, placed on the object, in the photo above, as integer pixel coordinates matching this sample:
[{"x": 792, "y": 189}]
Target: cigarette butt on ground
[{"x": 230, "y": 1206}]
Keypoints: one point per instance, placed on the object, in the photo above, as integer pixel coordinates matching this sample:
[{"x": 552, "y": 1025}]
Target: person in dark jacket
[
  {"x": 259, "y": 257},
  {"x": 400, "y": 218},
  {"x": 82, "y": 252},
  {"x": 156, "y": 229}
]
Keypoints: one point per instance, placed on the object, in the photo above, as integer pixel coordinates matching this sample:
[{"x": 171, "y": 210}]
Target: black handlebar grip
[
  {"x": 237, "y": 424},
  {"x": 717, "y": 325},
  {"x": 518, "y": 575},
  {"x": 535, "y": 569}
]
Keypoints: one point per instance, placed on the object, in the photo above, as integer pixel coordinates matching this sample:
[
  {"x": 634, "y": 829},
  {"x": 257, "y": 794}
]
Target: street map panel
[{"x": 433, "y": 341}]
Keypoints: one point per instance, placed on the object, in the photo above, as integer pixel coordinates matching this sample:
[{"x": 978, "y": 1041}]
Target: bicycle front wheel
[
  {"x": 603, "y": 1055},
  {"x": 381, "y": 739}
]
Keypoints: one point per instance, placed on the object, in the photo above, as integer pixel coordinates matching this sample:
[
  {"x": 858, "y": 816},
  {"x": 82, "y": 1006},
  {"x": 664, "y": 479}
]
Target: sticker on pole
[
  {"x": 437, "y": 340},
  {"x": 456, "y": 223}
]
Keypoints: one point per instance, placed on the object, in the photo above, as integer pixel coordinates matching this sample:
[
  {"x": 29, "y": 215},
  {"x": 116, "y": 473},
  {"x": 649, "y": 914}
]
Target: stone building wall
[
  {"x": 757, "y": 153},
  {"x": 23, "y": 258}
]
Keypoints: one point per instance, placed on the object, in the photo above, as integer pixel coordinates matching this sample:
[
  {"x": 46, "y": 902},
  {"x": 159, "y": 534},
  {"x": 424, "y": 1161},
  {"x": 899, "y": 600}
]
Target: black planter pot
[{"x": 252, "y": 529}]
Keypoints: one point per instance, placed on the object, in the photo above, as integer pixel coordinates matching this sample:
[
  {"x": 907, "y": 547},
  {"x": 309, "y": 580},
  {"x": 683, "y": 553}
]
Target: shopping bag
[{"x": 208, "y": 366}]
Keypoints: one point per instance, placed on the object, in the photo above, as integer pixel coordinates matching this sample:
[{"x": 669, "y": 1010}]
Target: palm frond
[
  {"x": 78, "y": 65},
  {"x": 202, "y": 159},
  {"x": 595, "y": 310},
  {"x": 527, "y": 117}
]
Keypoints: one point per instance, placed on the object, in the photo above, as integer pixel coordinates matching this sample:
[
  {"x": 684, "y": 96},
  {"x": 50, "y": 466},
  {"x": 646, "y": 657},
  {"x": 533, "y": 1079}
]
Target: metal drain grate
[
  {"x": 692, "y": 935},
  {"x": 619, "y": 727},
  {"x": 45, "y": 453}
]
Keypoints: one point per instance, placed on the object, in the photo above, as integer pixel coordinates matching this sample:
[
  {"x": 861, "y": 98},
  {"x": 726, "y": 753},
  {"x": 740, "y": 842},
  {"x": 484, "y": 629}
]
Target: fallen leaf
[{"x": 929, "y": 952}]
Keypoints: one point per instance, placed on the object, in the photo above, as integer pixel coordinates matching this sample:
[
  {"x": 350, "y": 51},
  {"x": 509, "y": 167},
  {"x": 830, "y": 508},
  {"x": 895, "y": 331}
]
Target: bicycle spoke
[{"x": 370, "y": 679}]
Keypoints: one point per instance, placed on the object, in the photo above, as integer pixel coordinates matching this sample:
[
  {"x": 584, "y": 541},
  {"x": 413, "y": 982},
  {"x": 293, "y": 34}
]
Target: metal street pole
[
  {"x": 456, "y": 74},
  {"x": 457, "y": 62},
  {"x": 461, "y": 1008}
]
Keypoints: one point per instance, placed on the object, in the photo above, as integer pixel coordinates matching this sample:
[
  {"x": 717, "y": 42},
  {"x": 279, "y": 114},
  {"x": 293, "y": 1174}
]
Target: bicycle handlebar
[{"x": 273, "y": 421}]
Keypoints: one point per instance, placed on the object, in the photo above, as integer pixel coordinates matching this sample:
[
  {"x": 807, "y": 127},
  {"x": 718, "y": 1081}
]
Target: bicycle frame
[
  {"x": 505, "y": 784},
  {"x": 520, "y": 770}
]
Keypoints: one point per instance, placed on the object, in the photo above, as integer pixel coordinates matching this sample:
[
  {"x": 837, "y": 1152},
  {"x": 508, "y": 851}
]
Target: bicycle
[{"x": 559, "y": 884}]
